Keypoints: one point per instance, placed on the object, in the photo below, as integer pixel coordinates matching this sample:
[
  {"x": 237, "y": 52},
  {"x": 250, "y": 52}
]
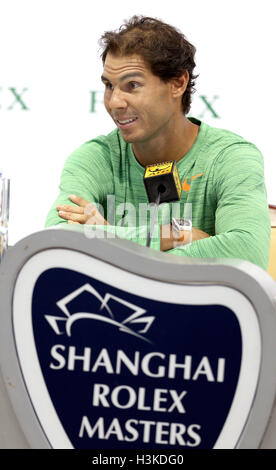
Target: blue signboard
[{"x": 128, "y": 371}]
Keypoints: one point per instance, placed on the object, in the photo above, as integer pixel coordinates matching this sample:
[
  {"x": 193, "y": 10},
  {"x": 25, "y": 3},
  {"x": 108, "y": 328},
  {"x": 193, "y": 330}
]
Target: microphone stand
[{"x": 153, "y": 219}]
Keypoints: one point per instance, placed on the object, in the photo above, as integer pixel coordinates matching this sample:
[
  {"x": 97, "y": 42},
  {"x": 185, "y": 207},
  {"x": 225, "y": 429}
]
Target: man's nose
[{"x": 117, "y": 100}]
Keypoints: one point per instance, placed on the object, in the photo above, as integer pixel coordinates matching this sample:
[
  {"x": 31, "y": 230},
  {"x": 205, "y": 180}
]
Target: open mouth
[{"x": 123, "y": 123}]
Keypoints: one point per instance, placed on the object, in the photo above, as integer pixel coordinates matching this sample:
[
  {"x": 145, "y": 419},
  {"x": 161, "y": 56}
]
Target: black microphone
[{"x": 162, "y": 184}]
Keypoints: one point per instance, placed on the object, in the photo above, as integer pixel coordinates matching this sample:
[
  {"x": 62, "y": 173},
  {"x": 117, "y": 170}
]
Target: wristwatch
[{"x": 181, "y": 224}]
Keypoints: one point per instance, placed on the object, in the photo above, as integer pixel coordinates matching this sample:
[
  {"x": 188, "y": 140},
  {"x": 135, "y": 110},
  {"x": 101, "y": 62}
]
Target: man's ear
[{"x": 179, "y": 85}]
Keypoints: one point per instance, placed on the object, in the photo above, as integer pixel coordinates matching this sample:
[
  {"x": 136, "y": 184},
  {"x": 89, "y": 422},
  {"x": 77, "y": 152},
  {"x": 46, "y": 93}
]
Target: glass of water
[{"x": 4, "y": 214}]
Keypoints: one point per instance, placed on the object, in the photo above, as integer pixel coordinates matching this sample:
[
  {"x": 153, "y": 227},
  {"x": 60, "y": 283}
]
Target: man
[{"x": 148, "y": 78}]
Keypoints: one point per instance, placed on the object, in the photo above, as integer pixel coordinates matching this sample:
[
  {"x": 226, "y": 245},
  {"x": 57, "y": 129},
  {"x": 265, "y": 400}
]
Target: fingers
[
  {"x": 84, "y": 213},
  {"x": 79, "y": 218},
  {"x": 70, "y": 208},
  {"x": 78, "y": 200},
  {"x": 83, "y": 209},
  {"x": 72, "y": 213}
]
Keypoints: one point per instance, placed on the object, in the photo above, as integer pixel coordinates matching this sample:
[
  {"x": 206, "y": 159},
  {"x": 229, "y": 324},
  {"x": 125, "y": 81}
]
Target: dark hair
[{"x": 163, "y": 47}]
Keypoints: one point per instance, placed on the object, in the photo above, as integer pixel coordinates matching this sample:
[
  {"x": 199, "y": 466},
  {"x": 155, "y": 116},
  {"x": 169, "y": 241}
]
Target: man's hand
[
  {"x": 170, "y": 239},
  {"x": 85, "y": 213}
]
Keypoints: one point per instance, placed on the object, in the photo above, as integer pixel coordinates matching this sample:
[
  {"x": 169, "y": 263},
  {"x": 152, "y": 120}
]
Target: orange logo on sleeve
[{"x": 186, "y": 186}]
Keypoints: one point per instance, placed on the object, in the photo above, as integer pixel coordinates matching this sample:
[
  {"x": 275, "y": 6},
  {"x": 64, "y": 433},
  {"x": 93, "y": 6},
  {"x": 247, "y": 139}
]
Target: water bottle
[{"x": 4, "y": 214}]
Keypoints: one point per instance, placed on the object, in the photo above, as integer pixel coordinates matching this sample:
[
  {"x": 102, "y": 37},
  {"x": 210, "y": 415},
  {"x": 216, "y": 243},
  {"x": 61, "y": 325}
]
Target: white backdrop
[{"x": 50, "y": 73}]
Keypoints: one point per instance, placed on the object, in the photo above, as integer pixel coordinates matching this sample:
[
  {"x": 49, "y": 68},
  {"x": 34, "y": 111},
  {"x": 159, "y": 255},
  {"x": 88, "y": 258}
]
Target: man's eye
[
  {"x": 109, "y": 86},
  {"x": 133, "y": 85}
]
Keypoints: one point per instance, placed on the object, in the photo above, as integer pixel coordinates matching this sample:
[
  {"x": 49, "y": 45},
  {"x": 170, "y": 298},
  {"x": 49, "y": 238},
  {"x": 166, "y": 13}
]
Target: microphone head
[{"x": 162, "y": 178}]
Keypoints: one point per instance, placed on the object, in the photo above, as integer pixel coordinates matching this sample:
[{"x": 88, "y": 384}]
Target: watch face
[{"x": 182, "y": 224}]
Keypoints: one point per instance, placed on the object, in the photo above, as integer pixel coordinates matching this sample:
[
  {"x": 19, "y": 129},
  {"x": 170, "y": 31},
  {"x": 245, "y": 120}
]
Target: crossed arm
[
  {"x": 84, "y": 212},
  {"x": 242, "y": 225}
]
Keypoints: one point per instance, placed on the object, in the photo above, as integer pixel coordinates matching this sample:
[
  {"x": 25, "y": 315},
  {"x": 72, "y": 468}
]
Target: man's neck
[{"x": 172, "y": 145}]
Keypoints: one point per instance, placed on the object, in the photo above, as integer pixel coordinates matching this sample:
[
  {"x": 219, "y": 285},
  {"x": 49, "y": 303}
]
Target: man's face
[{"x": 140, "y": 103}]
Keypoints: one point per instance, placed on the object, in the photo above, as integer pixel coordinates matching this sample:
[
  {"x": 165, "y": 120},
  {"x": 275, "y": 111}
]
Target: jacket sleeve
[
  {"x": 87, "y": 173},
  {"x": 242, "y": 223}
]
